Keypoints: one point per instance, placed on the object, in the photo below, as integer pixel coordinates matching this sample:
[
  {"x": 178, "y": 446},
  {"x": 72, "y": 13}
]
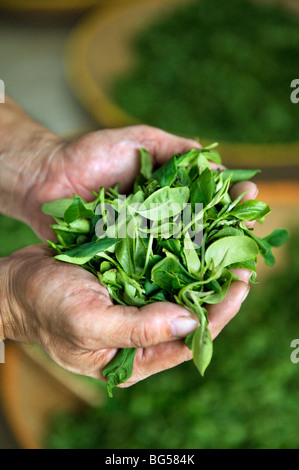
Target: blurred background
[{"x": 219, "y": 71}]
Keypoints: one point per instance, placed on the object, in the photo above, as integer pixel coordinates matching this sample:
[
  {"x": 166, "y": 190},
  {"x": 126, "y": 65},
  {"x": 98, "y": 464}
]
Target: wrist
[
  {"x": 24, "y": 147},
  {"x": 14, "y": 303}
]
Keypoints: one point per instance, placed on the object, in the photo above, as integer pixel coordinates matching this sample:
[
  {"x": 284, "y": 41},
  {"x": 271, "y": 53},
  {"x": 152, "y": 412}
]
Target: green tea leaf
[
  {"x": 56, "y": 209},
  {"x": 164, "y": 203},
  {"x": 170, "y": 274},
  {"x": 77, "y": 210},
  {"x": 146, "y": 164},
  {"x": 167, "y": 173},
  {"x": 83, "y": 253},
  {"x": 120, "y": 369},
  {"x": 250, "y": 210},
  {"x": 239, "y": 175},
  {"x": 202, "y": 347},
  {"x": 203, "y": 188},
  {"x": 236, "y": 248},
  {"x": 192, "y": 259},
  {"x": 277, "y": 238}
]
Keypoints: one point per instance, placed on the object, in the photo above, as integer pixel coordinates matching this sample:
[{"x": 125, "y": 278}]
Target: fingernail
[
  {"x": 246, "y": 292},
  {"x": 242, "y": 274},
  {"x": 256, "y": 192},
  {"x": 245, "y": 275},
  {"x": 181, "y": 326}
]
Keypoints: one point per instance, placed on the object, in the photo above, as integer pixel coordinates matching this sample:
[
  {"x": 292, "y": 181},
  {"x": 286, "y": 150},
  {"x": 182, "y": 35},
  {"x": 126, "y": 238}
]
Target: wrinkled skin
[{"x": 63, "y": 307}]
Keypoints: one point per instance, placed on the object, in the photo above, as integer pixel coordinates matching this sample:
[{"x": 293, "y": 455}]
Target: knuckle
[{"x": 140, "y": 336}]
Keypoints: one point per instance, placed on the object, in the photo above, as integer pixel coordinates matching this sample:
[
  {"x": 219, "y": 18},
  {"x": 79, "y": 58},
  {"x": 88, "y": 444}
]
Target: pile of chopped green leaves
[
  {"x": 163, "y": 260},
  {"x": 216, "y": 68}
]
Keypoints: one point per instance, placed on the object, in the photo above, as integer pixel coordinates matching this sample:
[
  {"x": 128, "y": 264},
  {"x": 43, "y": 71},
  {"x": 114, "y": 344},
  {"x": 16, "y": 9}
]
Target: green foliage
[
  {"x": 14, "y": 235},
  {"x": 216, "y": 68},
  {"x": 247, "y": 400},
  {"x": 161, "y": 262}
]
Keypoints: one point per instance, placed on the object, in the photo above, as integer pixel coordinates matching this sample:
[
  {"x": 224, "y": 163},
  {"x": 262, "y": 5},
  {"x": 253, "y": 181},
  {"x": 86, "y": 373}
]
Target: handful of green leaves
[{"x": 175, "y": 238}]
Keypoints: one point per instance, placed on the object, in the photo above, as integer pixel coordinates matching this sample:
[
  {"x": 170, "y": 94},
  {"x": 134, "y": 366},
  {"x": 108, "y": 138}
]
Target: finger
[
  {"x": 130, "y": 327},
  {"x": 242, "y": 274},
  {"x": 162, "y": 145},
  {"x": 165, "y": 145},
  {"x": 252, "y": 192},
  {"x": 238, "y": 188},
  {"x": 222, "y": 313}
]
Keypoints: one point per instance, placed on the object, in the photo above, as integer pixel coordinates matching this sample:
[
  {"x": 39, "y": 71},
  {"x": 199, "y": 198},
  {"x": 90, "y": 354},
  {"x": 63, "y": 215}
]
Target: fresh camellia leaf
[
  {"x": 146, "y": 164},
  {"x": 202, "y": 347},
  {"x": 56, "y": 209},
  {"x": 167, "y": 173},
  {"x": 250, "y": 210},
  {"x": 83, "y": 253},
  {"x": 203, "y": 188},
  {"x": 164, "y": 202},
  {"x": 277, "y": 238},
  {"x": 212, "y": 155},
  {"x": 239, "y": 175},
  {"x": 170, "y": 274},
  {"x": 192, "y": 258},
  {"x": 77, "y": 210},
  {"x": 119, "y": 370},
  {"x": 176, "y": 238},
  {"x": 237, "y": 249}
]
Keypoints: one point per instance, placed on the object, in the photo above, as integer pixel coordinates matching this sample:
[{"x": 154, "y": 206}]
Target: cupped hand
[
  {"x": 65, "y": 310},
  {"x": 97, "y": 159}
]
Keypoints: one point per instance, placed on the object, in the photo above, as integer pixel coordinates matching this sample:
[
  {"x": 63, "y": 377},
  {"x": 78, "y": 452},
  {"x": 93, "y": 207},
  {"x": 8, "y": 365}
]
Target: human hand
[
  {"x": 97, "y": 159},
  {"x": 65, "y": 310}
]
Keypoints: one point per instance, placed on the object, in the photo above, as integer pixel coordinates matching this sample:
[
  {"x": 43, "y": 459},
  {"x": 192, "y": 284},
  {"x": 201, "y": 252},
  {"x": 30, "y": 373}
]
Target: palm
[
  {"x": 79, "y": 326},
  {"x": 71, "y": 316},
  {"x": 99, "y": 159}
]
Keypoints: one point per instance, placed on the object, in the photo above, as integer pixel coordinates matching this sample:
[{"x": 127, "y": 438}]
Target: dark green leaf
[
  {"x": 203, "y": 188},
  {"x": 83, "y": 253},
  {"x": 169, "y": 274},
  {"x": 239, "y": 175},
  {"x": 146, "y": 164},
  {"x": 277, "y": 238},
  {"x": 250, "y": 210},
  {"x": 202, "y": 347},
  {"x": 120, "y": 369},
  {"x": 236, "y": 248},
  {"x": 56, "y": 209},
  {"x": 77, "y": 210},
  {"x": 167, "y": 173}
]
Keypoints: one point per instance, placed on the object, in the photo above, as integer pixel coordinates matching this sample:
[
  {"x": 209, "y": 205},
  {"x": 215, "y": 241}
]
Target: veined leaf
[
  {"x": 120, "y": 369},
  {"x": 146, "y": 164},
  {"x": 250, "y": 210},
  {"x": 239, "y": 175},
  {"x": 83, "y": 253},
  {"x": 56, "y": 209},
  {"x": 237, "y": 249}
]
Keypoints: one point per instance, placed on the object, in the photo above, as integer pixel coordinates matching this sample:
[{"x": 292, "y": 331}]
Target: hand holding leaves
[{"x": 161, "y": 262}]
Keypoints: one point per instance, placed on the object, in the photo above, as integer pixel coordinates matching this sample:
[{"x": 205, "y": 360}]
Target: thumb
[{"x": 132, "y": 327}]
